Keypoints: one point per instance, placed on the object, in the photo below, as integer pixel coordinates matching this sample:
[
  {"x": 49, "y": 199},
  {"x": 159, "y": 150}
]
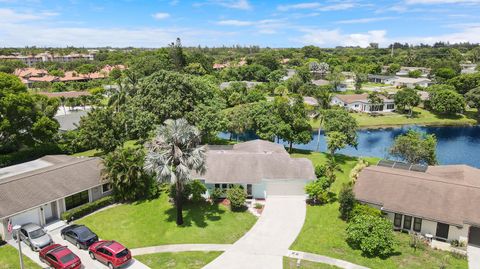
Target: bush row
[
  {"x": 86, "y": 209},
  {"x": 25, "y": 155}
]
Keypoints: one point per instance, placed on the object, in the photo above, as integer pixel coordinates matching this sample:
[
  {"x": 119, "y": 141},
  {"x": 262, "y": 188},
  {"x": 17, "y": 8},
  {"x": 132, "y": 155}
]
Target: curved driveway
[{"x": 269, "y": 239}]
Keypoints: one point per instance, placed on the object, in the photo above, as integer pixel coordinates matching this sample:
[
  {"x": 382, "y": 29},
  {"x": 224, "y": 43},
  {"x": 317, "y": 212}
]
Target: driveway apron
[
  {"x": 473, "y": 257},
  {"x": 269, "y": 239}
]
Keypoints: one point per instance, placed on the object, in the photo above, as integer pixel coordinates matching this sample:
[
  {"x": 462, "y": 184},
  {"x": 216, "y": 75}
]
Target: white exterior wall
[
  {"x": 460, "y": 234},
  {"x": 258, "y": 190}
]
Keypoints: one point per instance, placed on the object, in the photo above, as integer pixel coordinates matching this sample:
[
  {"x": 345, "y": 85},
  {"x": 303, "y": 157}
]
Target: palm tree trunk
[
  {"x": 290, "y": 147},
  {"x": 179, "y": 204},
  {"x": 318, "y": 134}
]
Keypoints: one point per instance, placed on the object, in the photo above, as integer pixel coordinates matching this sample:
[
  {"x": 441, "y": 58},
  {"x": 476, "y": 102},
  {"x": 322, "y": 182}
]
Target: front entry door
[{"x": 442, "y": 230}]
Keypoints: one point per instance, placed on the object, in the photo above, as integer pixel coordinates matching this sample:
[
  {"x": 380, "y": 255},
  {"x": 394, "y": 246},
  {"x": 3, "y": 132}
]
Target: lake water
[{"x": 455, "y": 145}]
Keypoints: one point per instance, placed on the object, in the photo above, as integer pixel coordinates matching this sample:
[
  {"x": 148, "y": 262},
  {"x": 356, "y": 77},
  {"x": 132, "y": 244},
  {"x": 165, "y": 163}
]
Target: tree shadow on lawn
[{"x": 196, "y": 213}]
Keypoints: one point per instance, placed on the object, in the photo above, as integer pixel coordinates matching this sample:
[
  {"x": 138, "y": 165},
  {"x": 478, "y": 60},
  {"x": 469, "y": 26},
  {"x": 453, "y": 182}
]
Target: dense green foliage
[
  {"x": 446, "y": 102},
  {"x": 373, "y": 235},
  {"x": 88, "y": 208},
  {"x": 473, "y": 99},
  {"x": 237, "y": 197},
  {"x": 339, "y": 120},
  {"x": 347, "y": 201},
  {"x": 406, "y": 99},
  {"x": 415, "y": 147}
]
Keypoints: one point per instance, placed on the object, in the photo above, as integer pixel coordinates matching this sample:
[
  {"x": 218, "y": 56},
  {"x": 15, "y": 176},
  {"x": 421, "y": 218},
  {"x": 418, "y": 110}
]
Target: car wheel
[
  {"x": 78, "y": 246},
  {"x": 31, "y": 247},
  {"x": 92, "y": 255},
  {"x": 63, "y": 236},
  {"x": 110, "y": 266}
]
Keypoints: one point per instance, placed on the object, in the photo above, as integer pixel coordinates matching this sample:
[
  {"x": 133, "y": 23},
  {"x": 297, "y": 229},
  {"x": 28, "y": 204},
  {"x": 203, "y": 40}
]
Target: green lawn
[
  {"x": 421, "y": 117},
  {"x": 178, "y": 260},
  {"x": 324, "y": 233},
  {"x": 9, "y": 259},
  {"x": 151, "y": 223},
  {"x": 290, "y": 263},
  {"x": 97, "y": 153}
]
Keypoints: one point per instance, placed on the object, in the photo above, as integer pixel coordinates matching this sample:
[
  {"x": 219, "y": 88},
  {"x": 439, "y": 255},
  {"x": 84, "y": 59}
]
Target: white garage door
[
  {"x": 26, "y": 217},
  {"x": 285, "y": 188}
]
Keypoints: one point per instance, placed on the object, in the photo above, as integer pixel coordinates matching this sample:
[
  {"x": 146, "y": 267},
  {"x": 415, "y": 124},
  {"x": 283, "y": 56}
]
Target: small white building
[
  {"x": 441, "y": 201},
  {"x": 381, "y": 79},
  {"x": 263, "y": 168},
  {"x": 360, "y": 103},
  {"x": 410, "y": 82}
]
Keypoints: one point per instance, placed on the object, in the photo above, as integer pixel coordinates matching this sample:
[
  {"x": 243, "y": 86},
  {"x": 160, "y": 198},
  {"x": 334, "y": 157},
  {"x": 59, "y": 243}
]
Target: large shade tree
[
  {"x": 324, "y": 97},
  {"x": 415, "y": 147},
  {"x": 173, "y": 154}
]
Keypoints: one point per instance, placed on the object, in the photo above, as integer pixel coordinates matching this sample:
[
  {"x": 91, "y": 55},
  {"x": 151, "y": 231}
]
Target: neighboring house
[
  {"x": 70, "y": 120},
  {"x": 411, "y": 82},
  {"x": 310, "y": 101},
  {"x": 70, "y": 94},
  {"x": 48, "y": 57},
  {"x": 360, "y": 103},
  {"x": 249, "y": 84},
  {"x": 39, "y": 191},
  {"x": 322, "y": 82},
  {"x": 263, "y": 168},
  {"x": 442, "y": 201},
  {"x": 404, "y": 70},
  {"x": 290, "y": 73},
  {"x": 381, "y": 79},
  {"x": 468, "y": 68}
]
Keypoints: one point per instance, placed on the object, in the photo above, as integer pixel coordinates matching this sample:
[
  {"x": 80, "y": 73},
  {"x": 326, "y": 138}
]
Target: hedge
[
  {"x": 28, "y": 154},
  {"x": 86, "y": 209}
]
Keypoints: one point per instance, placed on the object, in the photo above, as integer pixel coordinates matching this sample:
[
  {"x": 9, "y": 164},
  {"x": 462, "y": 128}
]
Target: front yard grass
[
  {"x": 9, "y": 259},
  {"x": 290, "y": 263},
  {"x": 421, "y": 117},
  {"x": 324, "y": 233},
  {"x": 151, "y": 223},
  {"x": 178, "y": 260}
]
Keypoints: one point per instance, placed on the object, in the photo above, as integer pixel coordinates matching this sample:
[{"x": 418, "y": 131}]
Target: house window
[
  {"x": 77, "y": 199},
  {"x": 224, "y": 186},
  {"x": 407, "y": 222},
  {"x": 106, "y": 187},
  {"x": 390, "y": 106},
  {"x": 397, "y": 221},
  {"x": 217, "y": 186},
  {"x": 417, "y": 224}
]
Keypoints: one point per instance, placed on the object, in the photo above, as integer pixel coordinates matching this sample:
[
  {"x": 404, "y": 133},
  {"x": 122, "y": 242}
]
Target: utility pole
[{"x": 16, "y": 229}]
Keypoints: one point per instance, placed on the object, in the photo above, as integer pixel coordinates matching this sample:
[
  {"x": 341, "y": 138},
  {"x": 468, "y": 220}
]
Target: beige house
[
  {"x": 263, "y": 168},
  {"x": 40, "y": 191},
  {"x": 442, "y": 201},
  {"x": 360, "y": 103}
]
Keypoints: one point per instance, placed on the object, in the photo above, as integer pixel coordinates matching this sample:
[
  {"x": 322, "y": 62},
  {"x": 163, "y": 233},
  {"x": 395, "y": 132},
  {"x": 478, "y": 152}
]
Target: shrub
[
  {"x": 258, "y": 206},
  {"x": 356, "y": 170},
  {"x": 217, "y": 194},
  {"x": 197, "y": 189},
  {"x": 372, "y": 235},
  {"x": 361, "y": 209},
  {"x": 347, "y": 201},
  {"x": 317, "y": 193},
  {"x": 86, "y": 209},
  {"x": 237, "y": 197}
]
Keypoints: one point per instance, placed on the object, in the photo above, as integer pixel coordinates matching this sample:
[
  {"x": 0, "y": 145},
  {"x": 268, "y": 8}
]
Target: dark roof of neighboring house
[
  {"x": 252, "y": 162},
  {"x": 66, "y": 176},
  {"x": 71, "y": 120},
  {"x": 64, "y": 94},
  {"x": 351, "y": 98},
  {"x": 446, "y": 193}
]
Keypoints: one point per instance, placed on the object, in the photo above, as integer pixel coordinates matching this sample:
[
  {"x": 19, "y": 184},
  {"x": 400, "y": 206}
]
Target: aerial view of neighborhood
[{"x": 240, "y": 134}]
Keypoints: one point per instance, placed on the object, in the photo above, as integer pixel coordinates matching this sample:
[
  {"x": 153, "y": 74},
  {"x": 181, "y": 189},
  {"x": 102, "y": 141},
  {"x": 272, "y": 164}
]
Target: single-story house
[
  {"x": 468, "y": 68},
  {"x": 380, "y": 79},
  {"x": 411, "y": 82},
  {"x": 404, "y": 70},
  {"x": 322, "y": 82},
  {"x": 360, "y": 103},
  {"x": 40, "y": 191},
  {"x": 263, "y": 168},
  {"x": 248, "y": 84},
  {"x": 441, "y": 201}
]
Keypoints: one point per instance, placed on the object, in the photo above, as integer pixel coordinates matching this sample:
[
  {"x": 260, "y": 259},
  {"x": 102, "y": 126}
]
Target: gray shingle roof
[
  {"x": 67, "y": 175},
  {"x": 448, "y": 193},
  {"x": 254, "y": 161}
]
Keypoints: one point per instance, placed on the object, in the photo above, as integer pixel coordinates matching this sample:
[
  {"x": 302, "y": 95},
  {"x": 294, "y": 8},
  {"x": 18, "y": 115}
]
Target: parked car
[
  {"x": 111, "y": 253},
  {"x": 79, "y": 235},
  {"x": 34, "y": 236},
  {"x": 60, "y": 257}
]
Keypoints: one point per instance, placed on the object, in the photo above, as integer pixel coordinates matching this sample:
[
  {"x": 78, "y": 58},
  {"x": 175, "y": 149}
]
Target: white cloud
[
  {"x": 340, "y": 6},
  {"x": 12, "y": 16},
  {"x": 413, "y": 2},
  {"x": 364, "y": 20},
  {"x": 235, "y": 23},
  {"x": 323, "y": 37},
  {"x": 311, "y": 5},
  {"x": 160, "y": 15},
  {"x": 235, "y": 4},
  {"x": 469, "y": 34},
  {"x": 317, "y": 6}
]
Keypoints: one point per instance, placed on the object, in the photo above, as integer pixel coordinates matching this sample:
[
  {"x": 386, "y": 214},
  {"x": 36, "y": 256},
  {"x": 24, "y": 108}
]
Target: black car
[{"x": 79, "y": 235}]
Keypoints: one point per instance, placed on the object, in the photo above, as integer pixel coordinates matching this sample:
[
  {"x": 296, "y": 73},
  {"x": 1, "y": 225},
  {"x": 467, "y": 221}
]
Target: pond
[{"x": 455, "y": 145}]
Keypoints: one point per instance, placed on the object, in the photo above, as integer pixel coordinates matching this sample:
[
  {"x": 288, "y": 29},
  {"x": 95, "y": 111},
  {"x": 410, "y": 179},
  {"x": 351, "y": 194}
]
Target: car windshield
[
  {"x": 37, "y": 233},
  {"x": 122, "y": 253},
  {"x": 67, "y": 258},
  {"x": 84, "y": 233}
]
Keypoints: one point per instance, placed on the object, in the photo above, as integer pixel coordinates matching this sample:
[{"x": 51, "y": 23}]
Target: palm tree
[
  {"x": 173, "y": 154},
  {"x": 63, "y": 100},
  {"x": 118, "y": 98},
  {"x": 324, "y": 97}
]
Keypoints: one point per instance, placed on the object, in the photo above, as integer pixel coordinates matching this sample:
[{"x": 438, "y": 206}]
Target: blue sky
[{"x": 155, "y": 23}]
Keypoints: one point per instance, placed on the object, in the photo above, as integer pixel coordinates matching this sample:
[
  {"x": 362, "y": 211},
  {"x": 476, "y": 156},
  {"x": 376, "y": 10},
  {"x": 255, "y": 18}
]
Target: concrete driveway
[
  {"x": 473, "y": 257},
  {"x": 87, "y": 262},
  {"x": 269, "y": 239}
]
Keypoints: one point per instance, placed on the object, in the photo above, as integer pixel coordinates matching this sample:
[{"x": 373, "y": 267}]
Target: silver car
[{"x": 34, "y": 236}]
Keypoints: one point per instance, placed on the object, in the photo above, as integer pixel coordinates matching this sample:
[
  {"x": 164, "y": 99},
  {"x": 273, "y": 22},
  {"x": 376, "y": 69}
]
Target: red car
[
  {"x": 111, "y": 253},
  {"x": 59, "y": 257}
]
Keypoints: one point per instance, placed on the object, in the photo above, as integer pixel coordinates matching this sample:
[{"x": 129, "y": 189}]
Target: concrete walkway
[
  {"x": 323, "y": 259},
  {"x": 473, "y": 257},
  {"x": 180, "y": 248},
  {"x": 269, "y": 239}
]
